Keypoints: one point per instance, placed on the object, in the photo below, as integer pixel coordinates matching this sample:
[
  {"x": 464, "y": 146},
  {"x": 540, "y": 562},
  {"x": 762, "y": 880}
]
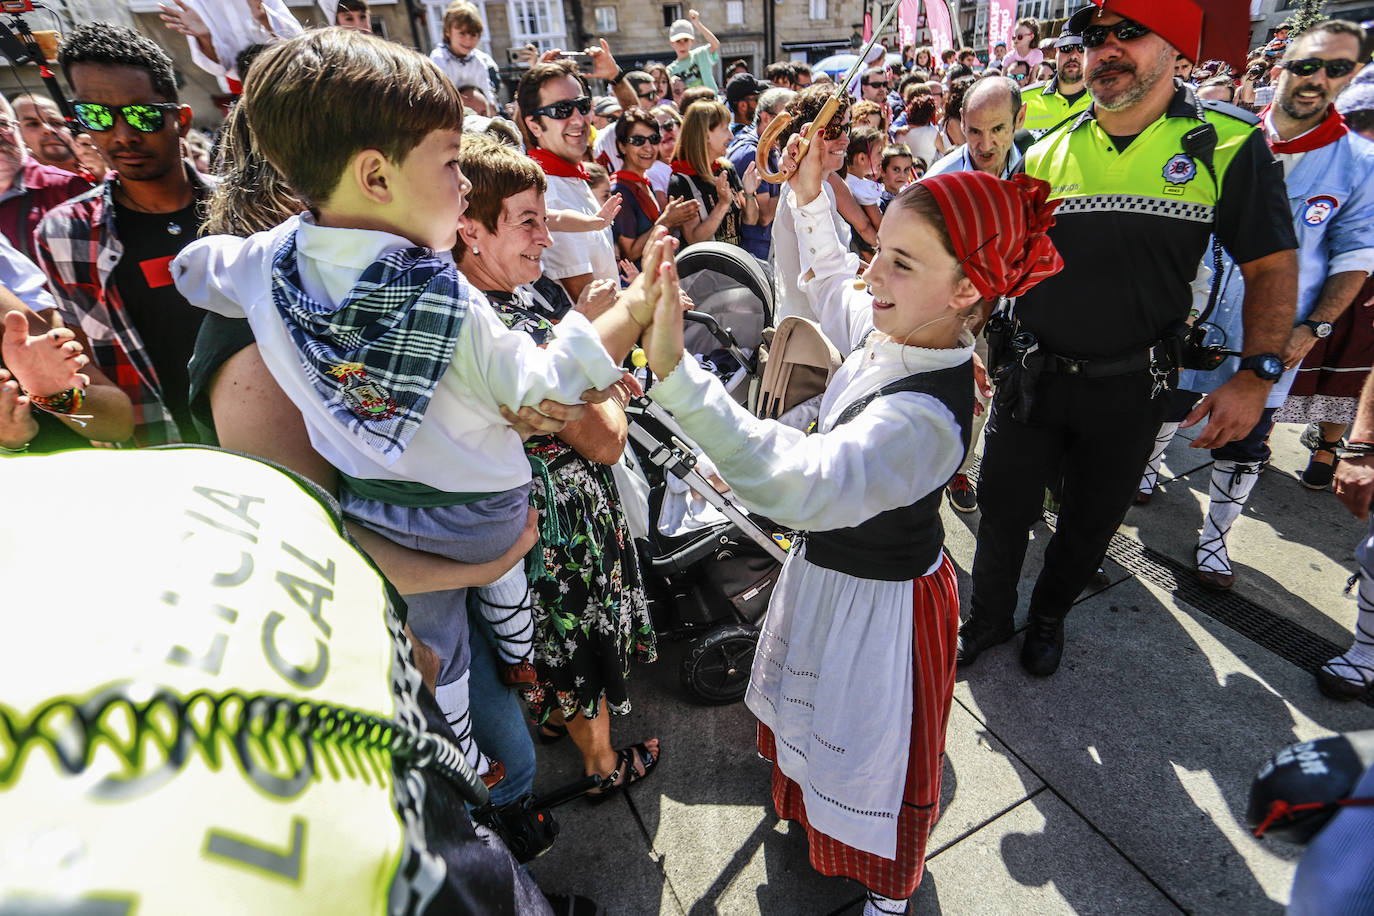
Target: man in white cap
[{"x": 696, "y": 66}]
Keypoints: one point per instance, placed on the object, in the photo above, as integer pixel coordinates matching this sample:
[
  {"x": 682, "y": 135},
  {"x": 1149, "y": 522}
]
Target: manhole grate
[{"x": 1285, "y": 638}]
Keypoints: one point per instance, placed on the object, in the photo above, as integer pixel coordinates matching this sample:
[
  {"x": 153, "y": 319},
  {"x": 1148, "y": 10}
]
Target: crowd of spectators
[{"x": 575, "y": 174}]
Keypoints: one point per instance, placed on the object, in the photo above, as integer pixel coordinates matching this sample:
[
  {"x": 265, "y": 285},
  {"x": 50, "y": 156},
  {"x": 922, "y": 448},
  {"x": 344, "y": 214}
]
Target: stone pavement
[{"x": 1117, "y": 786}]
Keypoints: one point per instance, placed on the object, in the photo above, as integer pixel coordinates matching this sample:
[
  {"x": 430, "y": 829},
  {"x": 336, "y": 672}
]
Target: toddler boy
[{"x": 398, "y": 366}]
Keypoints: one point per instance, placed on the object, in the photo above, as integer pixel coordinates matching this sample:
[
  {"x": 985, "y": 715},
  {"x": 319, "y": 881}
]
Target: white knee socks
[
  {"x": 453, "y": 703},
  {"x": 883, "y": 906},
  {"x": 1232, "y": 482},
  {"x": 1357, "y": 664},
  {"x": 1150, "y": 478},
  {"x": 505, "y": 604}
]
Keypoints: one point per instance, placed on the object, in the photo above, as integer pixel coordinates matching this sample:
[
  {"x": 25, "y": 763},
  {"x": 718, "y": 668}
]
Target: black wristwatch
[
  {"x": 1320, "y": 329},
  {"x": 1268, "y": 366}
]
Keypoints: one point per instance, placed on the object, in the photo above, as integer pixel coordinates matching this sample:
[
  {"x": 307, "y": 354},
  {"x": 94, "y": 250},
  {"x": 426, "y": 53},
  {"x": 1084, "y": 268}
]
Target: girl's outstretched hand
[{"x": 663, "y": 339}]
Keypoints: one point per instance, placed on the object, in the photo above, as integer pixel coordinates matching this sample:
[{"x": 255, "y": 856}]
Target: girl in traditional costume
[{"x": 854, "y": 674}]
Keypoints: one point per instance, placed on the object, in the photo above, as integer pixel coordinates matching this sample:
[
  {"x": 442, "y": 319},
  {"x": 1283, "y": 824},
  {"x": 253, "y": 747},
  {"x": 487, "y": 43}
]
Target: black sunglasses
[
  {"x": 561, "y": 111},
  {"x": 1335, "y": 69},
  {"x": 145, "y": 118},
  {"x": 833, "y": 131},
  {"x": 879, "y": 85},
  {"x": 641, "y": 139},
  {"x": 1094, "y": 36}
]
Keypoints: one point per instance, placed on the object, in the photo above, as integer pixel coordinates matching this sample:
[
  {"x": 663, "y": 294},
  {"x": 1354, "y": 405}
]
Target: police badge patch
[
  {"x": 1319, "y": 209},
  {"x": 1181, "y": 169}
]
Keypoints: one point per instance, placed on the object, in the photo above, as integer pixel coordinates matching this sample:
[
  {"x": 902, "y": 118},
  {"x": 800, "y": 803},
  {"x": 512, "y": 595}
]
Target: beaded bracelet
[{"x": 64, "y": 402}]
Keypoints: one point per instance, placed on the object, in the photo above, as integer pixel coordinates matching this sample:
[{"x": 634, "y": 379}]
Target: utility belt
[{"x": 1016, "y": 361}]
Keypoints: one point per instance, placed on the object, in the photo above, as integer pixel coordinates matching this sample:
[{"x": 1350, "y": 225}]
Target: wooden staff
[{"x": 768, "y": 140}]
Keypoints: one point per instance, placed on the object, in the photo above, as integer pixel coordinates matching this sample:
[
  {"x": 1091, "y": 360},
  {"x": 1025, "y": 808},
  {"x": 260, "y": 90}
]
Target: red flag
[
  {"x": 941, "y": 31},
  {"x": 868, "y": 26},
  {"x": 1001, "y": 24},
  {"x": 908, "y": 21}
]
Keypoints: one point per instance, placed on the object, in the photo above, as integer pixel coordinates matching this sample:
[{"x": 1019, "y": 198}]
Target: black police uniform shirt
[{"x": 1135, "y": 221}]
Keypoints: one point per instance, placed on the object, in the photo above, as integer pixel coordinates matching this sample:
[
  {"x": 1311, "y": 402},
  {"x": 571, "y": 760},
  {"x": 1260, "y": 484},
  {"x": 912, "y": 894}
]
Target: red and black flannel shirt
[{"x": 78, "y": 250}]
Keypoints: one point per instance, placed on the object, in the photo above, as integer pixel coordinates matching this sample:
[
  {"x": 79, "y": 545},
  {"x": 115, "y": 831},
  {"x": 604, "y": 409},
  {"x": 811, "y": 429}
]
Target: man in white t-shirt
[{"x": 555, "y": 110}]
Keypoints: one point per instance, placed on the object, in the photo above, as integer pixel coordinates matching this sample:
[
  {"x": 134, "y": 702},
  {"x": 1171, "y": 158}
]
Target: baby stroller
[{"x": 710, "y": 565}]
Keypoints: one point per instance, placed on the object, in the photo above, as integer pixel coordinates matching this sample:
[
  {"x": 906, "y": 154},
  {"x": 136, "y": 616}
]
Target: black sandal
[
  {"x": 1318, "y": 474},
  {"x": 549, "y": 733},
  {"x": 624, "y": 774}
]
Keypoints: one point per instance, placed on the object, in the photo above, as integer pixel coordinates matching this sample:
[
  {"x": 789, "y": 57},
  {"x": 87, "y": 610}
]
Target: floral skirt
[{"x": 591, "y": 619}]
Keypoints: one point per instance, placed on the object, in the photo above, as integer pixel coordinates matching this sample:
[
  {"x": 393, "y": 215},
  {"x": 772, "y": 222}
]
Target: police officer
[
  {"x": 1063, "y": 96},
  {"x": 1096, "y": 343}
]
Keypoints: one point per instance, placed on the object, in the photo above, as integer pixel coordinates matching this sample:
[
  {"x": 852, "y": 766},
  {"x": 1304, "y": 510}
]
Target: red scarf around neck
[
  {"x": 639, "y": 186},
  {"x": 557, "y": 166},
  {"x": 1331, "y": 129},
  {"x": 683, "y": 167}
]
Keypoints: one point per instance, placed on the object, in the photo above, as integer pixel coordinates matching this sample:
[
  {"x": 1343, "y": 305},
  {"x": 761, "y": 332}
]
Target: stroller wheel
[{"x": 716, "y": 668}]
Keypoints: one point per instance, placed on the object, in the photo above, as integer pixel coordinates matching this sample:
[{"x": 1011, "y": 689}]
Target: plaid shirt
[{"x": 78, "y": 249}]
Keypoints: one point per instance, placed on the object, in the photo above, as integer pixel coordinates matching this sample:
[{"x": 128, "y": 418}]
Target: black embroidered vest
[{"x": 900, "y": 543}]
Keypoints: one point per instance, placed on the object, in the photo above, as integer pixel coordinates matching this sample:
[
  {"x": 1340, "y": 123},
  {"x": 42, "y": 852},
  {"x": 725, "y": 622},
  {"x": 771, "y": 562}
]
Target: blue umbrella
[{"x": 836, "y": 65}]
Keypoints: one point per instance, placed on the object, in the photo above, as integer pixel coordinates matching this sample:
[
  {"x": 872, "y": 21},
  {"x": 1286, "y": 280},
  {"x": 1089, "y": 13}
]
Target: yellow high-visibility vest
[{"x": 148, "y": 597}]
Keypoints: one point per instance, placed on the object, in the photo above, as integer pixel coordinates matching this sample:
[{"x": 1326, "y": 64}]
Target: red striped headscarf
[{"x": 998, "y": 229}]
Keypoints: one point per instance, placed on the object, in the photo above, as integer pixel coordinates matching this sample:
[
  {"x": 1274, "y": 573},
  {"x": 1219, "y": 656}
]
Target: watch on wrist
[
  {"x": 1320, "y": 329},
  {"x": 1268, "y": 366}
]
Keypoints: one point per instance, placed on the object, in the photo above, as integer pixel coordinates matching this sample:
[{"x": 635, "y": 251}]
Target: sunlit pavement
[{"x": 1117, "y": 786}]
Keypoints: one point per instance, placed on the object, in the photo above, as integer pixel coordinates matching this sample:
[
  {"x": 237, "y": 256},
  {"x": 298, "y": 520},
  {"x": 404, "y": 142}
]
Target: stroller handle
[{"x": 723, "y": 335}]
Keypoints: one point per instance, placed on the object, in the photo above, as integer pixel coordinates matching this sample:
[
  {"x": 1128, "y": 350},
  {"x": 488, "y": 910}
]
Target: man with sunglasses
[
  {"x": 1063, "y": 96},
  {"x": 555, "y": 119},
  {"x": 873, "y": 86},
  {"x": 108, "y": 253},
  {"x": 1079, "y": 407}
]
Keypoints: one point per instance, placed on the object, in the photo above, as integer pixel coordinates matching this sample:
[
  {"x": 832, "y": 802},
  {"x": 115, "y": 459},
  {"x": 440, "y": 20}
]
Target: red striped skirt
[{"x": 935, "y": 609}]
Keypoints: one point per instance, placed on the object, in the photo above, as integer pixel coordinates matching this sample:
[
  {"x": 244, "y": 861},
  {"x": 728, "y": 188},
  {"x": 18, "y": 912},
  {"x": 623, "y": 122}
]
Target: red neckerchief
[
  {"x": 557, "y": 166},
  {"x": 1331, "y": 129},
  {"x": 639, "y": 186},
  {"x": 683, "y": 167}
]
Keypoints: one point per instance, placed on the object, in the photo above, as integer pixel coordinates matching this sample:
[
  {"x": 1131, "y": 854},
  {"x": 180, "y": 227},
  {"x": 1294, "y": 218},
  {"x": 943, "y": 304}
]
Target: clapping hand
[
  {"x": 641, "y": 295},
  {"x": 609, "y": 210},
  {"x": 676, "y": 212},
  {"x": 723, "y": 189},
  {"x": 751, "y": 179},
  {"x": 663, "y": 338}
]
